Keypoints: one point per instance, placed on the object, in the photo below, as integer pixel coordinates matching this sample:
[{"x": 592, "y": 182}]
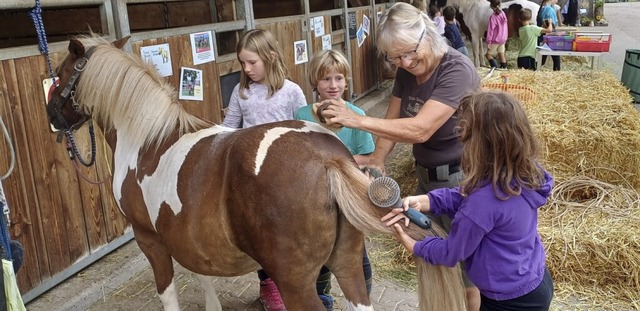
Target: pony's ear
[
  {"x": 120, "y": 42},
  {"x": 76, "y": 48}
]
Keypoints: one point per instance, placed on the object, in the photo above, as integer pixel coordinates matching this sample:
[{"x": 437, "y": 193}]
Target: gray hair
[{"x": 403, "y": 24}]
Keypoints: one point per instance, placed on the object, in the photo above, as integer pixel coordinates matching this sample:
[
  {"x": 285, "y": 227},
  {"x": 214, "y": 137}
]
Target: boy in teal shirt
[
  {"x": 528, "y": 34},
  {"x": 328, "y": 75}
]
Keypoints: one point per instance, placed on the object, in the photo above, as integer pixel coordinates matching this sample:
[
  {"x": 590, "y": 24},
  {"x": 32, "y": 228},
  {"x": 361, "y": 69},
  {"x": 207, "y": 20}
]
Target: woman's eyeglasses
[{"x": 411, "y": 55}]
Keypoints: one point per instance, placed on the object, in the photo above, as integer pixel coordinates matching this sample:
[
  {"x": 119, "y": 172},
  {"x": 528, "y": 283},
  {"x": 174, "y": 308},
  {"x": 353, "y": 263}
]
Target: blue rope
[{"x": 36, "y": 16}]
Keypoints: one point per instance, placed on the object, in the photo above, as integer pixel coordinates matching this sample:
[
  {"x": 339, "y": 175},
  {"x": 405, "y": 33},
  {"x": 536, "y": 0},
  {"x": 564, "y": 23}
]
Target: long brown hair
[
  {"x": 263, "y": 43},
  {"x": 499, "y": 145}
]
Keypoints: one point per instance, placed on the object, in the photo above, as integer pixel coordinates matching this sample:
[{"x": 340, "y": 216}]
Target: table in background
[{"x": 595, "y": 56}]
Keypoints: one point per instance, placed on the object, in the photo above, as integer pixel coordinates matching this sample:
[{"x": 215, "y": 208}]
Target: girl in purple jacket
[
  {"x": 495, "y": 208},
  {"x": 497, "y": 36}
]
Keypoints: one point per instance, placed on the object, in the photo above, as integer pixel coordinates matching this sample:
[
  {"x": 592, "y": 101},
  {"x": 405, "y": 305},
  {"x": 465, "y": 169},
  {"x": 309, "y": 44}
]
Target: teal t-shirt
[
  {"x": 357, "y": 141},
  {"x": 528, "y": 40}
]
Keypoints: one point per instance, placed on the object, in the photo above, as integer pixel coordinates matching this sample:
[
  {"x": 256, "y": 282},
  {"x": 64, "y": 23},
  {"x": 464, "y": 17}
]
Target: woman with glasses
[{"x": 431, "y": 79}]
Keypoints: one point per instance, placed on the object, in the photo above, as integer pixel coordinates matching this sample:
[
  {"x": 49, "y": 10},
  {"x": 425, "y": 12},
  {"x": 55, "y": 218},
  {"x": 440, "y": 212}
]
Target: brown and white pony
[{"x": 284, "y": 196}]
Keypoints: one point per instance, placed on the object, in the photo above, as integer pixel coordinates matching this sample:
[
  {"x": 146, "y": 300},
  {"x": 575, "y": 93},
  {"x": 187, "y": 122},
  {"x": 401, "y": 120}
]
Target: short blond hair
[{"x": 324, "y": 62}]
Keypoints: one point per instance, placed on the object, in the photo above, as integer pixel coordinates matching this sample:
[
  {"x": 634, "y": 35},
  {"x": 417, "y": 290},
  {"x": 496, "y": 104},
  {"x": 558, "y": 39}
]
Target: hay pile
[
  {"x": 586, "y": 124},
  {"x": 590, "y": 134}
]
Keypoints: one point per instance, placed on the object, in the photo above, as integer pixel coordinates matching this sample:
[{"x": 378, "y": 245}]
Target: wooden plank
[
  {"x": 149, "y": 16},
  {"x": 211, "y": 106},
  {"x": 230, "y": 66},
  {"x": 316, "y": 42},
  {"x": 287, "y": 32},
  {"x": 89, "y": 193},
  {"x": 45, "y": 166},
  {"x": 70, "y": 209},
  {"x": 17, "y": 24},
  {"x": 19, "y": 187},
  {"x": 361, "y": 59},
  {"x": 270, "y": 8}
]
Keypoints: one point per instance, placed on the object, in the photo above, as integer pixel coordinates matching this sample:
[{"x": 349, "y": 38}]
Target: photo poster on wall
[
  {"x": 353, "y": 24},
  {"x": 326, "y": 42},
  {"x": 159, "y": 56},
  {"x": 365, "y": 23},
  {"x": 318, "y": 26},
  {"x": 190, "y": 84},
  {"x": 202, "y": 47},
  {"x": 300, "y": 51},
  {"x": 360, "y": 35}
]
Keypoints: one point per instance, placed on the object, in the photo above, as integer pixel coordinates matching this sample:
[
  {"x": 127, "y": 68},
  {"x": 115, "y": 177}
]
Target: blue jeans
[{"x": 463, "y": 49}]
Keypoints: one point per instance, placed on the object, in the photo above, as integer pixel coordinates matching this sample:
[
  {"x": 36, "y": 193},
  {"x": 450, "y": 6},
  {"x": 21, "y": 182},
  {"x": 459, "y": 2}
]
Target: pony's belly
[{"x": 220, "y": 262}]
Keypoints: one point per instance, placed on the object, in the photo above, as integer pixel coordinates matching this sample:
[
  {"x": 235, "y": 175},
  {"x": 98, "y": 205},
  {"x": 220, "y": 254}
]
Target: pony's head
[{"x": 65, "y": 113}]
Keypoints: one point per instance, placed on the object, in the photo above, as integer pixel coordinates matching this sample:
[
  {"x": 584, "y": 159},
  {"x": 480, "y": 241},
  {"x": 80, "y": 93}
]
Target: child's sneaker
[{"x": 270, "y": 296}]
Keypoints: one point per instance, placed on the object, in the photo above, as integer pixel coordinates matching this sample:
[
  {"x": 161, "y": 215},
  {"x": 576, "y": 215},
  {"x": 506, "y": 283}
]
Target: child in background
[
  {"x": 528, "y": 34},
  {"x": 329, "y": 72},
  {"x": 495, "y": 208},
  {"x": 548, "y": 15},
  {"x": 263, "y": 95},
  {"x": 497, "y": 36},
  {"x": 452, "y": 32},
  {"x": 438, "y": 19}
]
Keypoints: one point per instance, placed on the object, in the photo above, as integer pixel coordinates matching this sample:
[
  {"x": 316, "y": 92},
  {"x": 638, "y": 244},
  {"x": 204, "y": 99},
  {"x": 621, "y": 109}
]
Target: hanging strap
[{"x": 36, "y": 16}]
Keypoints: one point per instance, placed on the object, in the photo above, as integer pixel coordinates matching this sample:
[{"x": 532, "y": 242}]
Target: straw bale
[
  {"x": 593, "y": 243},
  {"x": 586, "y": 124}
]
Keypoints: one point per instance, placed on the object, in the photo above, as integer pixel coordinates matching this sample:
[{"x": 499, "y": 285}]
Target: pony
[
  {"x": 285, "y": 196},
  {"x": 476, "y": 15}
]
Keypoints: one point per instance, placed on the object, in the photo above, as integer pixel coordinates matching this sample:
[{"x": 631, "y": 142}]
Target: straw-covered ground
[{"x": 590, "y": 134}]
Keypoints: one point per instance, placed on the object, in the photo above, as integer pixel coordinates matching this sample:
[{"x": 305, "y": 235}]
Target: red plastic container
[
  {"x": 559, "y": 43},
  {"x": 593, "y": 42}
]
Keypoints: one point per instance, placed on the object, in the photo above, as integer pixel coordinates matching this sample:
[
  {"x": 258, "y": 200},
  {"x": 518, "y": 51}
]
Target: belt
[{"x": 432, "y": 172}]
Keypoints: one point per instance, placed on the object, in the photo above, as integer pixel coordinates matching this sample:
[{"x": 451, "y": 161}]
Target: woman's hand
[{"x": 338, "y": 113}]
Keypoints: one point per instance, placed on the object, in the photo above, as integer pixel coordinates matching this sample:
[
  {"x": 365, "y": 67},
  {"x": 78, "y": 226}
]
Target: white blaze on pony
[
  {"x": 224, "y": 202},
  {"x": 162, "y": 186},
  {"x": 275, "y": 133}
]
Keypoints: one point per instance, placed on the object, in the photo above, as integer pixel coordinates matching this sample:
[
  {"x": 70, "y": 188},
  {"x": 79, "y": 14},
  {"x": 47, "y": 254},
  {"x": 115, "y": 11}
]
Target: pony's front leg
[
  {"x": 212, "y": 303},
  {"x": 162, "y": 266}
]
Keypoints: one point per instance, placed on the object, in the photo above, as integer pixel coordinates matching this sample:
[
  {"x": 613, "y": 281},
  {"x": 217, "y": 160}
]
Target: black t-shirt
[{"x": 453, "y": 78}]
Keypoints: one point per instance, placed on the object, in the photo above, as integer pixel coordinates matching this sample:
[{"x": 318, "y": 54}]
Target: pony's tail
[{"x": 440, "y": 288}]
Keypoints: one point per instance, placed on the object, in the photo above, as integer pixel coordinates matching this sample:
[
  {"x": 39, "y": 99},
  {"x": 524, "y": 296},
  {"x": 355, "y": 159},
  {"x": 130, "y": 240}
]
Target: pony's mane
[{"x": 126, "y": 94}]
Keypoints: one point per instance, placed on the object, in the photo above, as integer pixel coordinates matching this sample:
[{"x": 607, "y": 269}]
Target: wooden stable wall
[
  {"x": 57, "y": 216},
  {"x": 66, "y": 222}
]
